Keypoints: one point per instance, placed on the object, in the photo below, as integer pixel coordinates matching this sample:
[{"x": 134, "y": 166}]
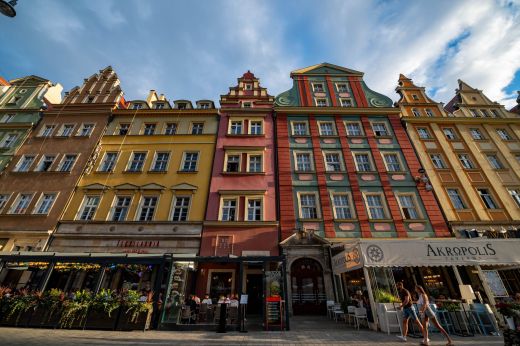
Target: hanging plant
[
  {"x": 22, "y": 302},
  {"x": 75, "y": 309},
  {"x": 51, "y": 302},
  {"x": 106, "y": 301},
  {"x": 134, "y": 305},
  {"x": 5, "y": 299},
  {"x": 382, "y": 296}
]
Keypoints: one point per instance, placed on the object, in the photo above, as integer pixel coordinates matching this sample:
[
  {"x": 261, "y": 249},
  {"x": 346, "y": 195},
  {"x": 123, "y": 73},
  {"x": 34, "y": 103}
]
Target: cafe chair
[
  {"x": 351, "y": 313},
  {"x": 232, "y": 315},
  {"x": 203, "y": 312},
  {"x": 330, "y": 307},
  {"x": 483, "y": 319},
  {"x": 359, "y": 315},
  {"x": 444, "y": 318},
  {"x": 185, "y": 314},
  {"x": 216, "y": 314},
  {"x": 391, "y": 319}
]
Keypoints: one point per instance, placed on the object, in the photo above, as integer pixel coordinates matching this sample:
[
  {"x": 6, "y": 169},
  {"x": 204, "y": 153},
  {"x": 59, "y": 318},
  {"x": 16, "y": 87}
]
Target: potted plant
[
  {"x": 75, "y": 310},
  {"x": 136, "y": 310},
  {"x": 509, "y": 311},
  {"x": 103, "y": 310},
  {"x": 386, "y": 302},
  {"x": 5, "y": 301},
  {"x": 21, "y": 307}
]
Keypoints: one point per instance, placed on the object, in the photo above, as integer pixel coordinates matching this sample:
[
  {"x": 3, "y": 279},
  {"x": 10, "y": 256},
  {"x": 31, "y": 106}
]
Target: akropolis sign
[{"x": 432, "y": 252}]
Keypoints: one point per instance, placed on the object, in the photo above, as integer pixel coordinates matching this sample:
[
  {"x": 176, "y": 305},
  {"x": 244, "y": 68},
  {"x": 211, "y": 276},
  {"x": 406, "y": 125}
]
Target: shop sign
[
  {"x": 347, "y": 260},
  {"x": 138, "y": 243}
]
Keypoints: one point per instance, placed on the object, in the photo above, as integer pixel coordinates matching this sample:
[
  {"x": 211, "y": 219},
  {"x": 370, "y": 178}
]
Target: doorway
[
  {"x": 307, "y": 286},
  {"x": 255, "y": 292}
]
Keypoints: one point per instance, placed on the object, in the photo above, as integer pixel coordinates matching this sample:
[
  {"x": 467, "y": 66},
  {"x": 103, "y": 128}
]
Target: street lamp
[{"x": 7, "y": 8}]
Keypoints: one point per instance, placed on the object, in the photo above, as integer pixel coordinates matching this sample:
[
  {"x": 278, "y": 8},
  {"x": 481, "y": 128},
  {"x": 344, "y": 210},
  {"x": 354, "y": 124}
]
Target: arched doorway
[{"x": 307, "y": 286}]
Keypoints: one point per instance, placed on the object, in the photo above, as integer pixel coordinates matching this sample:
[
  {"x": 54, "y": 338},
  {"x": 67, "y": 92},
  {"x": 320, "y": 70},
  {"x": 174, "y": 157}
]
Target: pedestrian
[
  {"x": 408, "y": 310},
  {"x": 426, "y": 313}
]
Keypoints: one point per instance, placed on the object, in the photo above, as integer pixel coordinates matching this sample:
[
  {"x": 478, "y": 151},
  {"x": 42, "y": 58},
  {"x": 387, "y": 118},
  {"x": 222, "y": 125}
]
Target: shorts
[
  {"x": 410, "y": 313},
  {"x": 429, "y": 313}
]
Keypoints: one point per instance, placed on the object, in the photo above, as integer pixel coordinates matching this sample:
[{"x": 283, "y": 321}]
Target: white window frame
[
  {"x": 103, "y": 160},
  {"x": 230, "y": 127},
  {"x": 513, "y": 192},
  {"x": 141, "y": 206},
  {"x": 16, "y": 203},
  {"x": 221, "y": 208},
  {"x": 385, "y": 127},
  {"x": 435, "y": 161},
  {"x": 39, "y": 167},
  {"x": 338, "y": 87},
  {"x": 383, "y": 206},
  {"x": 4, "y": 202},
  {"x": 311, "y": 161},
  {"x": 429, "y": 113},
  {"x": 50, "y": 127},
  {"x": 384, "y": 155},
  {"x": 4, "y": 144},
  {"x": 316, "y": 204},
  {"x": 318, "y": 103},
  {"x": 132, "y": 158},
  {"x": 370, "y": 161},
  {"x": 22, "y": 160},
  {"x": 340, "y": 160},
  {"x": 416, "y": 112},
  {"x": 183, "y": 161},
  {"x": 147, "y": 126},
  {"x": 504, "y": 134},
  {"x": 63, "y": 160},
  {"x": 423, "y": 130},
  {"x": 459, "y": 199},
  {"x": 250, "y": 127},
  {"x": 127, "y": 128},
  {"x": 174, "y": 206},
  {"x": 318, "y": 85},
  {"x": 350, "y": 205},
  {"x": 358, "y": 124},
  {"x": 415, "y": 206},
  {"x": 293, "y": 126},
  {"x": 346, "y": 102},
  {"x": 465, "y": 161},
  {"x": 494, "y": 161},
  {"x": 492, "y": 200},
  {"x": 246, "y": 211},
  {"x": 261, "y": 162},
  {"x": 114, "y": 206},
  {"x": 226, "y": 159},
  {"x": 476, "y": 134},
  {"x": 449, "y": 133},
  {"x": 84, "y": 205},
  {"x": 82, "y": 127},
  {"x": 332, "y": 128},
  {"x": 40, "y": 201},
  {"x": 175, "y": 127},
  {"x": 196, "y": 123},
  {"x": 61, "y": 132},
  {"x": 154, "y": 162}
]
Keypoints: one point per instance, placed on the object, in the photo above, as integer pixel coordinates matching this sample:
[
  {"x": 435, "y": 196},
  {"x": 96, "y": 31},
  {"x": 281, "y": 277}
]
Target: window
[
  {"x": 326, "y": 128},
  {"x": 235, "y": 128},
  {"x": 504, "y": 134},
  {"x": 487, "y": 199},
  {"x": 123, "y": 129},
  {"x": 515, "y": 194},
  {"x": 342, "y": 209},
  {"x": 171, "y": 129},
  {"x": 181, "y": 207},
  {"x": 21, "y": 204},
  {"x": 246, "y": 104},
  {"x": 423, "y": 133},
  {"x": 363, "y": 163},
  {"x": 317, "y": 87},
  {"x": 345, "y": 102},
  {"x": 148, "y": 206},
  {"x": 86, "y": 130},
  {"x": 137, "y": 106},
  {"x": 3, "y": 201},
  {"x": 392, "y": 163},
  {"x": 14, "y": 100},
  {"x": 308, "y": 207},
  {"x": 45, "y": 163},
  {"x": 375, "y": 206},
  {"x": 44, "y": 205},
  {"x": 248, "y": 86},
  {"x": 476, "y": 134},
  {"x": 109, "y": 162},
  {"x": 149, "y": 129},
  {"x": 494, "y": 161},
  {"x": 303, "y": 162},
  {"x": 25, "y": 163},
  {"x": 7, "y": 118},
  {"x": 197, "y": 128},
  {"x": 255, "y": 163},
  {"x": 8, "y": 140},
  {"x": 229, "y": 208},
  {"x": 321, "y": 102},
  {"x": 353, "y": 129},
  {"x": 429, "y": 112},
  {"x": 449, "y": 133},
  {"x": 254, "y": 209},
  {"x": 137, "y": 162},
  {"x": 204, "y": 105},
  {"x": 233, "y": 163},
  {"x": 120, "y": 208},
  {"x": 90, "y": 204},
  {"x": 299, "y": 128},
  {"x": 416, "y": 112},
  {"x": 255, "y": 127},
  {"x": 415, "y": 97},
  {"x": 379, "y": 129},
  {"x": 474, "y": 113},
  {"x": 342, "y": 87},
  {"x": 161, "y": 162},
  {"x": 496, "y": 114},
  {"x": 466, "y": 162},
  {"x": 182, "y": 105},
  {"x": 408, "y": 207},
  {"x": 437, "y": 161},
  {"x": 66, "y": 130},
  {"x": 190, "y": 162},
  {"x": 456, "y": 199},
  {"x": 333, "y": 162},
  {"x": 159, "y": 106},
  {"x": 485, "y": 113},
  {"x": 67, "y": 163},
  {"x": 47, "y": 130}
]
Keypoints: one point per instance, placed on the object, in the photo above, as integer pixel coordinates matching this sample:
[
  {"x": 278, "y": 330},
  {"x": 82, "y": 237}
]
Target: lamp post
[{"x": 7, "y": 8}]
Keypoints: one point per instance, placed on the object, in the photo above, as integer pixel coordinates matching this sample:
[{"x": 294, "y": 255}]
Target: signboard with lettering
[
  {"x": 244, "y": 298},
  {"x": 495, "y": 282}
]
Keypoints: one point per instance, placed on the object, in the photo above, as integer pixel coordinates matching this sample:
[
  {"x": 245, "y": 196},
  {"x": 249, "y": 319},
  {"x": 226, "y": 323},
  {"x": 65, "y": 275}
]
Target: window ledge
[
  {"x": 381, "y": 220},
  {"x": 310, "y": 220},
  {"x": 329, "y": 136},
  {"x": 346, "y": 220},
  {"x": 104, "y": 172},
  {"x": 383, "y": 137},
  {"x": 132, "y": 172},
  {"x": 301, "y": 136},
  {"x": 304, "y": 172},
  {"x": 187, "y": 172},
  {"x": 414, "y": 220},
  {"x": 242, "y": 173},
  {"x": 367, "y": 172},
  {"x": 157, "y": 172},
  {"x": 500, "y": 169},
  {"x": 360, "y": 136},
  {"x": 244, "y": 135}
]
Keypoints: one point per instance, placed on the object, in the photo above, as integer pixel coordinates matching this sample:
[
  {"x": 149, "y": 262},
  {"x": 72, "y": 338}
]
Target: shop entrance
[
  {"x": 254, "y": 290},
  {"x": 308, "y": 290}
]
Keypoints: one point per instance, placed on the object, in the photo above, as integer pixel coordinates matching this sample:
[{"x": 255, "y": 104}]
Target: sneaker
[{"x": 402, "y": 338}]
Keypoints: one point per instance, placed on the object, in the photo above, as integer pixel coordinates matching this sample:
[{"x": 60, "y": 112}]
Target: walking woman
[{"x": 427, "y": 314}]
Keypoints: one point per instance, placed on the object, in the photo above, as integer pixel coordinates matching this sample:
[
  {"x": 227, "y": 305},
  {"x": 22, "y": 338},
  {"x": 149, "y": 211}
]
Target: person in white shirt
[
  {"x": 207, "y": 300},
  {"x": 233, "y": 302},
  {"x": 426, "y": 313}
]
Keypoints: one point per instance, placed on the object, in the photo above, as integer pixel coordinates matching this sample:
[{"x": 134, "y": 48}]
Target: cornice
[
  {"x": 460, "y": 120},
  {"x": 165, "y": 112},
  {"x": 338, "y": 110},
  {"x": 240, "y": 223}
]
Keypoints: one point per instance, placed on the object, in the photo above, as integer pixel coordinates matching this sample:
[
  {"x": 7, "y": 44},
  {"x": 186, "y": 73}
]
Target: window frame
[
  {"x": 503, "y": 134},
  {"x": 337, "y": 84},
  {"x": 350, "y": 205},
  {"x": 62, "y": 130},
  {"x": 341, "y": 162},
  {"x": 468, "y": 159},
  {"x": 141, "y": 205},
  {"x": 131, "y": 160},
  {"x": 248, "y": 167},
  {"x": 426, "y": 130},
  {"x": 327, "y": 122},
  {"x": 416, "y": 206},
  {"x": 380, "y": 123},
  {"x": 400, "y": 162},
  {"x": 294, "y": 123},
  {"x": 246, "y": 207},
  {"x": 315, "y": 87},
  {"x": 183, "y": 161},
  {"x": 317, "y": 101},
  {"x": 8, "y": 135},
  {"x": 250, "y": 127},
  {"x": 316, "y": 204},
  {"x": 83, "y": 205},
  {"x": 42, "y": 160},
  {"x": 500, "y": 164},
  {"x": 6, "y": 202},
  {"x": 103, "y": 159},
  {"x": 473, "y": 130},
  {"x": 515, "y": 196},
  {"x": 154, "y": 161},
  {"x": 173, "y": 206},
  {"x": 82, "y": 126},
  {"x": 39, "y": 203},
  {"x": 226, "y": 161},
  {"x": 64, "y": 159},
  {"x": 114, "y": 205},
  {"x": 120, "y": 127},
  {"x": 383, "y": 206},
  {"x": 348, "y": 100},
  {"x": 492, "y": 199},
  {"x": 358, "y": 124},
  {"x": 311, "y": 161},
  {"x": 370, "y": 161},
  {"x": 21, "y": 161},
  {"x": 44, "y": 128},
  {"x": 441, "y": 156},
  {"x": 230, "y": 127},
  {"x": 452, "y": 132},
  {"x": 16, "y": 202},
  {"x": 236, "y": 208},
  {"x": 173, "y": 125},
  {"x": 197, "y": 123},
  {"x": 460, "y": 197}
]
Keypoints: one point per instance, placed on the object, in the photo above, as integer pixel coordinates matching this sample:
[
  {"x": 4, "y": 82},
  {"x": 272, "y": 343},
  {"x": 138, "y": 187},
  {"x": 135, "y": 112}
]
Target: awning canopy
[{"x": 425, "y": 253}]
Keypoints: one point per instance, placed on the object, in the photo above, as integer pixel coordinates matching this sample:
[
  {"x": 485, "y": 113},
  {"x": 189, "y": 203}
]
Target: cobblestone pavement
[{"x": 305, "y": 331}]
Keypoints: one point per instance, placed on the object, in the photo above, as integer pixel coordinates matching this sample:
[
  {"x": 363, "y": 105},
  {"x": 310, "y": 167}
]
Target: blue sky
[{"x": 196, "y": 49}]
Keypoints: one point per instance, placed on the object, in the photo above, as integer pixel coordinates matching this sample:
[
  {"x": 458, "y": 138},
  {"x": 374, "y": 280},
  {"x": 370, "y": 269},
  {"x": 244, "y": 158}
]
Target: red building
[{"x": 241, "y": 218}]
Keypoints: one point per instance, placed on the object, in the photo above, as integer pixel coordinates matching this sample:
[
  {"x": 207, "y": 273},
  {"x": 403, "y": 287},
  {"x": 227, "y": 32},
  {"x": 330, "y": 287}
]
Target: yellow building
[{"x": 147, "y": 189}]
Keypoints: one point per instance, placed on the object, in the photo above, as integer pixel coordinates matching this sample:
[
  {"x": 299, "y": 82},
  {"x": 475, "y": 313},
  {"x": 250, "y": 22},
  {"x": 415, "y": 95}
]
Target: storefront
[{"x": 445, "y": 267}]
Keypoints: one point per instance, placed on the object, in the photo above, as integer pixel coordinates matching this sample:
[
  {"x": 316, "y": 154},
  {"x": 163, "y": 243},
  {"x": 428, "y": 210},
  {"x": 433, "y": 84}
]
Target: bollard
[{"x": 223, "y": 317}]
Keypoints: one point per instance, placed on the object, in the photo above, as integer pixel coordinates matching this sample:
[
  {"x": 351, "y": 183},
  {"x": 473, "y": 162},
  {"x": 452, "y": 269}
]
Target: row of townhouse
[{"x": 262, "y": 195}]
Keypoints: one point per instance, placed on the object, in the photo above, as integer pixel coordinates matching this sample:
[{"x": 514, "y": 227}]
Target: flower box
[
  {"x": 100, "y": 320},
  {"x": 142, "y": 322}
]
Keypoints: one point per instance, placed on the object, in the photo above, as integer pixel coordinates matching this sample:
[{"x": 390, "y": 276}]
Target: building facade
[
  {"x": 470, "y": 151},
  {"x": 346, "y": 171},
  {"x": 148, "y": 186},
  {"x": 241, "y": 219},
  {"x": 21, "y": 102},
  {"x": 36, "y": 186}
]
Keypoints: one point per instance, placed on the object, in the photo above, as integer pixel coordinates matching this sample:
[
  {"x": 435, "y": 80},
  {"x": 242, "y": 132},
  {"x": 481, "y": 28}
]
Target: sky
[{"x": 196, "y": 49}]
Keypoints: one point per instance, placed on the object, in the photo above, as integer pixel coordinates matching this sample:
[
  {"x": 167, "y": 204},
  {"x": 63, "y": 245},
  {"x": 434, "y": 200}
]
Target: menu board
[
  {"x": 273, "y": 306},
  {"x": 495, "y": 283}
]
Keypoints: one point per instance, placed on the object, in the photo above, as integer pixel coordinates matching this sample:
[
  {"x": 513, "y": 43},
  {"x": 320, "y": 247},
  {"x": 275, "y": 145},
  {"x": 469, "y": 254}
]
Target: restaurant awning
[{"x": 425, "y": 253}]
